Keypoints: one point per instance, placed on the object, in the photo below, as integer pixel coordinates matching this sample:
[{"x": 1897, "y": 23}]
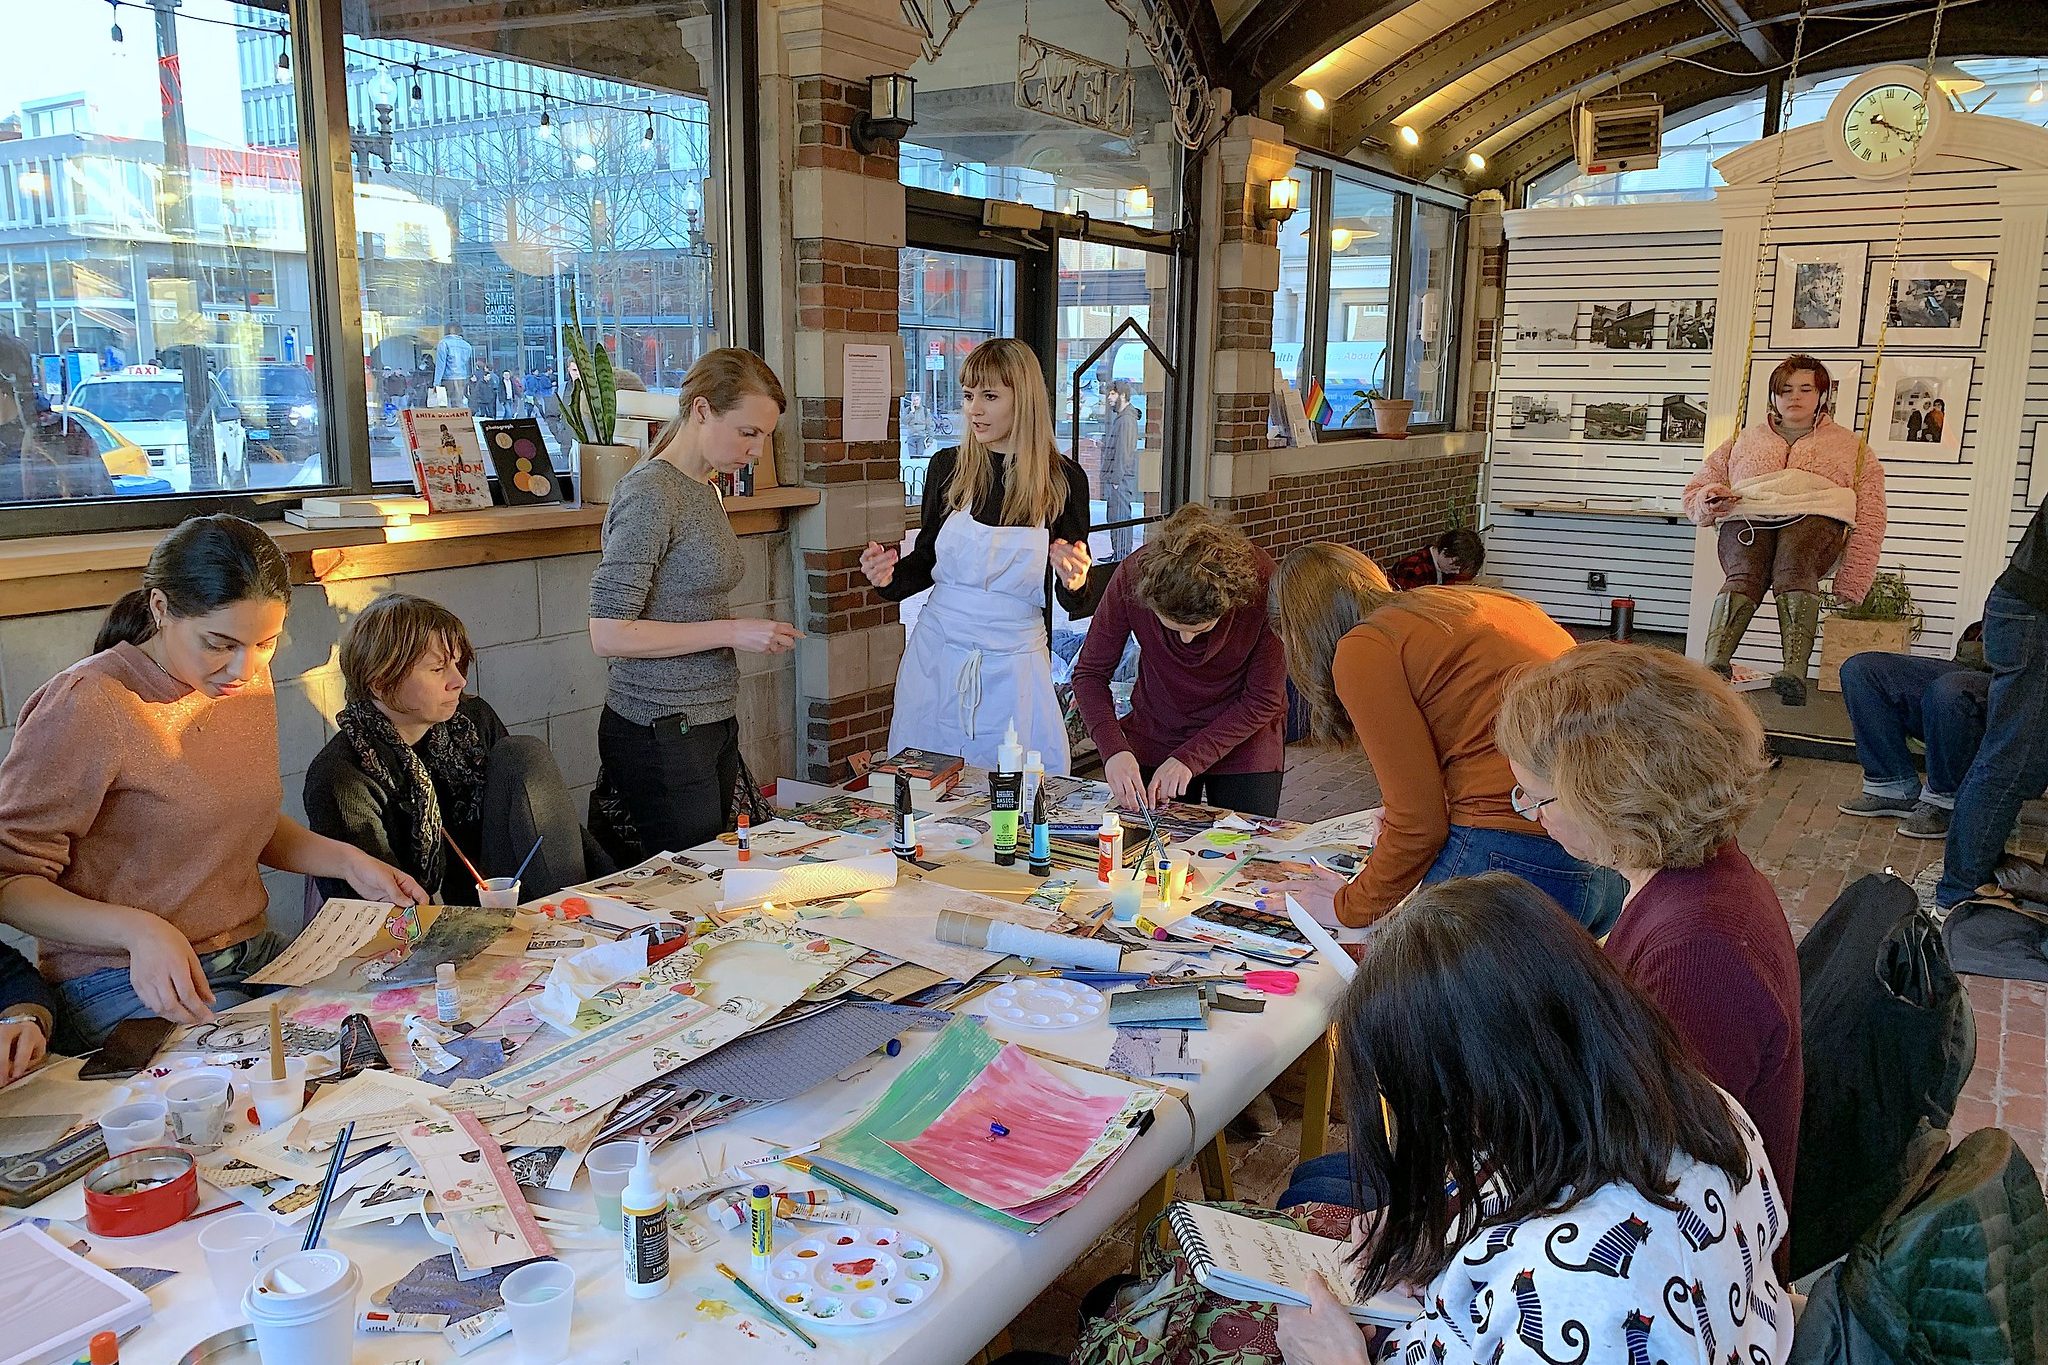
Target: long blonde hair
[{"x": 1036, "y": 483}]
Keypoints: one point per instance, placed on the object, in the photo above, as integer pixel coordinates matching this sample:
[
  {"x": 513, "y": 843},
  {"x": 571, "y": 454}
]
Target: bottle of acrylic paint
[
  {"x": 1006, "y": 793},
  {"x": 1109, "y": 847},
  {"x": 760, "y": 1230},
  {"x": 1041, "y": 836},
  {"x": 447, "y": 1003},
  {"x": 643, "y": 1209}
]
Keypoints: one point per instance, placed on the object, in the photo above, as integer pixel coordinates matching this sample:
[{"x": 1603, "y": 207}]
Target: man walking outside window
[
  {"x": 451, "y": 365},
  {"x": 1120, "y": 463}
]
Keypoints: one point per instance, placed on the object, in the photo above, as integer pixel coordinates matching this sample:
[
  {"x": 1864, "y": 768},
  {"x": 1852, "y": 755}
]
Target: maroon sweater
[
  {"x": 1711, "y": 946},
  {"x": 1218, "y": 704}
]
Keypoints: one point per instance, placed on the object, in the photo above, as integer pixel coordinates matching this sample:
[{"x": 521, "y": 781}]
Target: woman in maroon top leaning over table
[
  {"x": 1646, "y": 762},
  {"x": 1209, "y": 710}
]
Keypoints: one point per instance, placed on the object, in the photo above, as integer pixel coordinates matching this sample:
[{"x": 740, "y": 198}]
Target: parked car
[
  {"x": 127, "y": 463},
  {"x": 280, "y": 412},
  {"x": 146, "y": 404}
]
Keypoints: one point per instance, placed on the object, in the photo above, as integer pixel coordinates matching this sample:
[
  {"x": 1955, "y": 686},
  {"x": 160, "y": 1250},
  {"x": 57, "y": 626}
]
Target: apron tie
[{"x": 968, "y": 688}]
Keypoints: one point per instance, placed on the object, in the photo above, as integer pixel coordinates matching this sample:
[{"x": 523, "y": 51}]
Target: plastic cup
[
  {"x": 277, "y": 1101},
  {"x": 610, "y": 1166},
  {"x": 198, "y": 1101},
  {"x": 1177, "y": 864},
  {"x": 303, "y": 1307},
  {"x": 540, "y": 1299},
  {"x": 140, "y": 1123},
  {"x": 499, "y": 892},
  {"x": 1126, "y": 895},
  {"x": 234, "y": 1247}
]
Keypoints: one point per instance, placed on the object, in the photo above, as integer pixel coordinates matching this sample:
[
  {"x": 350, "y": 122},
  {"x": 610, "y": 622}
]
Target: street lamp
[{"x": 383, "y": 94}]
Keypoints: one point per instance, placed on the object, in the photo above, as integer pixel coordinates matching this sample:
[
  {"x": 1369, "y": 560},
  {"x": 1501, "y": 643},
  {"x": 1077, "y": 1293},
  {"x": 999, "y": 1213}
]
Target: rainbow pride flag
[{"x": 1320, "y": 408}]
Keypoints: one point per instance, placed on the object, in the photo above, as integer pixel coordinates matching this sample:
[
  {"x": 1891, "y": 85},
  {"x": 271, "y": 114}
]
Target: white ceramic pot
[
  {"x": 599, "y": 469},
  {"x": 1390, "y": 415}
]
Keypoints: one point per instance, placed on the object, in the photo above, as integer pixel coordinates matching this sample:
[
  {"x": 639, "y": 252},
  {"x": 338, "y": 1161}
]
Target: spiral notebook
[{"x": 1258, "y": 1262}]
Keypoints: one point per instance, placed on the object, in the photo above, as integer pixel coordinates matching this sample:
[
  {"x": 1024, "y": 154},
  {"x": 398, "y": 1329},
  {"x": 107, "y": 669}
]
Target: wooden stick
[
  {"x": 480, "y": 878},
  {"x": 276, "y": 1043}
]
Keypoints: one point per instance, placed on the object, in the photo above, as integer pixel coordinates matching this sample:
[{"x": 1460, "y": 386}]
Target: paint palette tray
[
  {"x": 854, "y": 1277},
  {"x": 1044, "y": 1003}
]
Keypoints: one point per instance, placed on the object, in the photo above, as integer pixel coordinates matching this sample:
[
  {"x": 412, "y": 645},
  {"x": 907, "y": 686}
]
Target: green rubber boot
[
  {"x": 1798, "y": 623},
  {"x": 1724, "y": 629}
]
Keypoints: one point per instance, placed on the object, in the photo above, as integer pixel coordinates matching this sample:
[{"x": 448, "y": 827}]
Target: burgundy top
[
  {"x": 1218, "y": 704},
  {"x": 1711, "y": 946}
]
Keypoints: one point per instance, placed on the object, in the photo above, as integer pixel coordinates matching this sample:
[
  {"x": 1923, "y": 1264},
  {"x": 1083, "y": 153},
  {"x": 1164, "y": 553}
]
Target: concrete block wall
[{"x": 528, "y": 619}]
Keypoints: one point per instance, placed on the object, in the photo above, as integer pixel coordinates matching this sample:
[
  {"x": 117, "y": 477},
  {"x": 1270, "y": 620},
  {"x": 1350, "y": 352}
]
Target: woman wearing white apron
[{"x": 998, "y": 511}]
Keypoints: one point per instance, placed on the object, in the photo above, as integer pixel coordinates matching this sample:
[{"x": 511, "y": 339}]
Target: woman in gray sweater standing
[{"x": 668, "y": 741}]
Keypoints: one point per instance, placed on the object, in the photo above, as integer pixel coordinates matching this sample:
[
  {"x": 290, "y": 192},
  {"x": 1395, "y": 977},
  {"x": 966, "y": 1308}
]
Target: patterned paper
[{"x": 475, "y": 1191}]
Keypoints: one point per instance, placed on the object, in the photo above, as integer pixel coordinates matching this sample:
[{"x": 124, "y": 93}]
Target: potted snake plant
[
  {"x": 592, "y": 413},
  {"x": 1886, "y": 621}
]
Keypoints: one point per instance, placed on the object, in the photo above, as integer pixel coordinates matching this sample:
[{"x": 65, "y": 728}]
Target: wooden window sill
[{"x": 66, "y": 573}]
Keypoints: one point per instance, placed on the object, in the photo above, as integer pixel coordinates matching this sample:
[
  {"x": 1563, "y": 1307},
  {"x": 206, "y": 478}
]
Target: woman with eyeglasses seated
[
  {"x": 1561, "y": 1182},
  {"x": 1646, "y": 762},
  {"x": 1416, "y": 677}
]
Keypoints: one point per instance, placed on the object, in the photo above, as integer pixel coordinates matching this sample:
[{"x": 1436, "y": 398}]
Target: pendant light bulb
[
  {"x": 2034, "y": 96},
  {"x": 418, "y": 96},
  {"x": 284, "y": 55},
  {"x": 546, "y": 131},
  {"x": 648, "y": 136}
]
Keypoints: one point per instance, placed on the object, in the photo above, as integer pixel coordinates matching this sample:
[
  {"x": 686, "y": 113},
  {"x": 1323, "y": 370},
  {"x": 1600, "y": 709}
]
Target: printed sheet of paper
[
  {"x": 664, "y": 886},
  {"x": 379, "y": 1102},
  {"x": 904, "y": 923},
  {"x": 864, "y": 382},
  {"x": 292, "y": 1201},
  {"x": 1360, "y": 829},
  {"x": 750, "y": 886},
  {"x": 475, "y": 1191},
  {"x": 343, "y": 929}
]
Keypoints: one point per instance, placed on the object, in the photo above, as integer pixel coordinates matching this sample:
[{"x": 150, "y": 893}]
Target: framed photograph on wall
[
  {"x": 1621, "y": 326},
  {"x": 1617, "y": 422},
  {"x": 1691, "y": 326},
  {"x": 1540, "y": 416},
  {"x": 1817, "y": 301},
  {"x": 1547, "y": 327},
  {"x": 1846, "y": 375},
  {"x": 1684, "y": 422},
  {"x": 1928, "y": 302},
  {"x": 1918, "y": 406}
]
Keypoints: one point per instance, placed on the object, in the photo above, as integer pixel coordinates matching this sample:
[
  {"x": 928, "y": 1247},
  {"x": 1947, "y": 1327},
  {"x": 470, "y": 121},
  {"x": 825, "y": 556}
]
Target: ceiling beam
[
  {"x": 1578, "y": 69},
  {"x": 1737, "y": 23},
  {"x": 1280, "y": 39},
  {"x": 1481, "y": 37}
]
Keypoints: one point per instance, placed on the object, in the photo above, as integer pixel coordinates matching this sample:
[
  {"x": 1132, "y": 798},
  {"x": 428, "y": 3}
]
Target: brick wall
[{"x": 1384, "y": 510}]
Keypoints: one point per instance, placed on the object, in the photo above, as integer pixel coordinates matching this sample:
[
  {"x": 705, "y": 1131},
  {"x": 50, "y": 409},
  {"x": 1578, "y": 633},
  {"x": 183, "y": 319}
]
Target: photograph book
[{"x": 1258, "y": 1262}]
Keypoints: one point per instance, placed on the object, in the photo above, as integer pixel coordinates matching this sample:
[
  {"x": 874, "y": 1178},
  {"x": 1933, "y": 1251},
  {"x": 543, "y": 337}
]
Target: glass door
[{"x": 948, "y": 302}]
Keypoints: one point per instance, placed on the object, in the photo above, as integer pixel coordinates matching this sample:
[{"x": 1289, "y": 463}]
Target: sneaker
[
  {"x": 1260, "y": 1119},
  {"x": 1866, "y": 804},
  {"x": 1791, "y": 690},
  {"x": 1928, "y": 821}
]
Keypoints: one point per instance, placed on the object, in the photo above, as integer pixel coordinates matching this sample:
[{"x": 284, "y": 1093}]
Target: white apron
[{"x": 977, "y": 658}]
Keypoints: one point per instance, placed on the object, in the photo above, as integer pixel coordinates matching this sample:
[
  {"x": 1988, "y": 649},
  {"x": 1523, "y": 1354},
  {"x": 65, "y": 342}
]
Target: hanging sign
[{"x": 1073, "y": 88}]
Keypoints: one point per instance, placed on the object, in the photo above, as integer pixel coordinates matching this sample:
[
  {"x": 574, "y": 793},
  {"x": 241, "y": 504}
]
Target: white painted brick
[
  {"x": 499, "y": 603},
  {"x": 536, "y": 728},
  {"x": 537, "y": 678},
  {"x": 295, "y": 798},
  {"x": 305, "y": 718},
  {"x": 767, "y": 704},
  {"x": 35, "y": 649},
  {"x": 312, "y": 633},
  {"x": 565, "y": 593},
  {"x": 573, "y": 738}
]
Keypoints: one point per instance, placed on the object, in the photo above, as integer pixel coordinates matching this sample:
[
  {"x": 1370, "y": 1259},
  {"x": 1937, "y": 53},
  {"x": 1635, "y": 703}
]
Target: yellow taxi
[{"x": 117, "y": 452}]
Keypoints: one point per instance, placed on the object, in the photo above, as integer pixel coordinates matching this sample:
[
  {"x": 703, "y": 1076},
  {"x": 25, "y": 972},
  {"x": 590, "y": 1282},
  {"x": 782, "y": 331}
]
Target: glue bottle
[
  {"x": 743, "y": 833},
  {"x": 1109, "y": 847},
  {"x": 1034, "y": 779},
  {"x": 643, "y": 1211}
]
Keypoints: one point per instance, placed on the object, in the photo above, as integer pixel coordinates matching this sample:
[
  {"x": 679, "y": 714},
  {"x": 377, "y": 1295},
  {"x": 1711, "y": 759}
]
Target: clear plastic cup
[
  {"x": 501, "y": 892},
  {"x": 1126, "y": 895},
  {"x": 277, "y": 1101},
  {"x": 610, "y": 1166},
  {"x": 140, "y": 1123},
  {"x": 540, "y": 1299},
  {"x": 235, "y": 1246},
  {"x": 198, "y": 1101}
]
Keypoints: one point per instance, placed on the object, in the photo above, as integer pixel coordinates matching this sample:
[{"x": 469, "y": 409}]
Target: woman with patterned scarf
[{"x": 419, "y": 763}]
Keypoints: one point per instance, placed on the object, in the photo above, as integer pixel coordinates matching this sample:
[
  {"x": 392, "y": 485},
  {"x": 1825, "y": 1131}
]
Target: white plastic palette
[
  {"x": 853, "y": 1277},
  {"x": 1044, "y": 1003}
]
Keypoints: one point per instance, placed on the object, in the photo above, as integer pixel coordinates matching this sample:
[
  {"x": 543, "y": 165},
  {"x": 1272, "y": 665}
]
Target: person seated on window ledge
[
  {"x": 1208, "y": 714},
  {"x": 419, "y": 762},
  {"x": 1454, "y": 557},
  {"x": 27, "y": 1016},
  {"x": 1551, "y": 1168},
  {"x": 141, "y": 797}
]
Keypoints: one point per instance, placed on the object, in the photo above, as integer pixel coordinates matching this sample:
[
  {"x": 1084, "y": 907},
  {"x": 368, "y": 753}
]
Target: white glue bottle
[
  {"x": 643, "y": 1212},
  {"x": 1109, "y": 848}
]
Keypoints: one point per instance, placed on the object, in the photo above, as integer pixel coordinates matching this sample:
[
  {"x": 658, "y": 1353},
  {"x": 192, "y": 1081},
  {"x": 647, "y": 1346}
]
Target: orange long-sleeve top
[{"x": 1423, "y": 699}]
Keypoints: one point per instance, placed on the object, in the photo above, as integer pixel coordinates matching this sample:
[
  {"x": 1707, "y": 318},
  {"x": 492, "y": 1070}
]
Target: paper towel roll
[{"x": 744, "y": 886}]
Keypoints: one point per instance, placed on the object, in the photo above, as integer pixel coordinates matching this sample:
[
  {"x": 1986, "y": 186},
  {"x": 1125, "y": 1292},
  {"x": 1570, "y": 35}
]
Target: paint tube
[
  {"x": 379, "y": 1320},
  {"x": 481, "y": 1330},
  {"x": 1005, "y": 791}
]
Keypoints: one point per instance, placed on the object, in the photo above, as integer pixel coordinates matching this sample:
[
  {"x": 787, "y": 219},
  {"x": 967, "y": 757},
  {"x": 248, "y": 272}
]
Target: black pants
[
  {"x": 1249, "y": 793},
  {"x": 676, "y": 786},
  {"x": 525, "y": 799}
]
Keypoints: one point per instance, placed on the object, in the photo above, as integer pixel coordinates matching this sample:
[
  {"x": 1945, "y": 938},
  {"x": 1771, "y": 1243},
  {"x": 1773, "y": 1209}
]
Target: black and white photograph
[
  {"x": 1541, "y": 416},
  {"x": 1816, "y": 302},
  {"x": 1920, "y": 404},
  {"x": 1622, "y": 326},
  {"x": 1692, "y": 325},
  {"x": 1685, "y": 420},
  {"x": 1617, "y": 421},
  {"x": 1933, "y": 302},
  {"x": 1547, "y": 327},
  {"x": 1845, "y": 378}
]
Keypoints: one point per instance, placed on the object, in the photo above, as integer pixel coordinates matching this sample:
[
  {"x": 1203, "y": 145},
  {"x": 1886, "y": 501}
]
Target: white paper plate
[
  {"x": 1044, "y": 1003},
  {"x": 853, "y": 1277}
]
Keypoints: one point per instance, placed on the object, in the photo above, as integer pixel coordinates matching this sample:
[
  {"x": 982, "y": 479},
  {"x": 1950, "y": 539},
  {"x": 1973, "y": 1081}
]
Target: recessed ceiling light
[
  {"x": 1474, "y": 162},
  {"x": 1313, "y": 98}
]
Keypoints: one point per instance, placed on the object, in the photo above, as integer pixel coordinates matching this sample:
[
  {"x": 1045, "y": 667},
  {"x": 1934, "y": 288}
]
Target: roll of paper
[{"x": 965, "y": 930}]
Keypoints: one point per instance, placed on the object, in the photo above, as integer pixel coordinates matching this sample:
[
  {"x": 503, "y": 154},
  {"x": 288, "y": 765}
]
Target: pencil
[
  {"x": 480, "y": 878},
  {"x": 782, "y": 1319},
  {"x": 839, "y": 1182},
  {"x": 276, "y": 1043},
  {"x": 327, "y": 1187}
]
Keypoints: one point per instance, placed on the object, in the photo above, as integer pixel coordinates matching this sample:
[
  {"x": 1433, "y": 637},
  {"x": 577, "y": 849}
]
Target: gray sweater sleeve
[{"x": 638, "y": 531}]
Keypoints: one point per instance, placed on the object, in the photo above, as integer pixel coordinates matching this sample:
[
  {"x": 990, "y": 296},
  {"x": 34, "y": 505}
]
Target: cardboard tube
[{"x": 965, "y": 930}]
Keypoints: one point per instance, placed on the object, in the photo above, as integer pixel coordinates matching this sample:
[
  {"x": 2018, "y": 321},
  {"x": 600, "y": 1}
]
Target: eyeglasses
[{"x": 1524, "y": 805}]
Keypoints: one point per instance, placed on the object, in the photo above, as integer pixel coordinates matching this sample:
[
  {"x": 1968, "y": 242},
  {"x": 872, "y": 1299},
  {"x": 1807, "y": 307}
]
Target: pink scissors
[{"x": 1275, "y": 982}]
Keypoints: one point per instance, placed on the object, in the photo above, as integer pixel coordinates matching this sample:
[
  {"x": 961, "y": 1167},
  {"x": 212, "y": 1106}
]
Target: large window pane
[
  {"x": 476, "y": 220},
  {"x": 1122, "y": 392},
  {"x": 1355, "y": 347},
  {"x": 1292, "y": 304},
  {"x": 1427, "y": 357},
  {"x": 154, "y": 297},
  {"x": 947, "y": 304}
]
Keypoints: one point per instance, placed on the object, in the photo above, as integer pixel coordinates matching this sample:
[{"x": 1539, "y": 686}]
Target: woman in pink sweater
[{"x": 1793, "y": 495}]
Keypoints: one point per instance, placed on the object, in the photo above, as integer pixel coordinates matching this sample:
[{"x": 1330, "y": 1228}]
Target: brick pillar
[{"x": 847, "y": 221}]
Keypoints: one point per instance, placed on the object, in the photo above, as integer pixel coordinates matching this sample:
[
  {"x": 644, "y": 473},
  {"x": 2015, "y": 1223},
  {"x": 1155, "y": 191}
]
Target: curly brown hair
[{"x": 1197, "y": 568}]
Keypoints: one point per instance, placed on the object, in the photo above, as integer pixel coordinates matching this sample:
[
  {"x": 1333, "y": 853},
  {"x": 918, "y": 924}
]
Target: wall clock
[{"x": 1879, "y": 120}]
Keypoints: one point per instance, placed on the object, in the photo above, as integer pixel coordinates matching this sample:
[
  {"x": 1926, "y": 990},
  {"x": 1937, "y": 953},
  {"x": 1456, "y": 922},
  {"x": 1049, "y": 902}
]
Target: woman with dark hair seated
[
  {"x": 419, "y": 762},
  {"x": 1561, "y": 1182}
]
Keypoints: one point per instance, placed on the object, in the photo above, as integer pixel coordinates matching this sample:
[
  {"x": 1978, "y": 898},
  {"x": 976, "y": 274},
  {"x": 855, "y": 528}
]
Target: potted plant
[
  {"x": 591, "y": 411},
  {"x": 1389, "y": 415},
  {"x": 1884, "y": 622}
]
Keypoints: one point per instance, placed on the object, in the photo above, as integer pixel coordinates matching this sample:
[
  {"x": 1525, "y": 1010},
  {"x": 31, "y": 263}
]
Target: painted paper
[{"x": 475, "y": 1191}]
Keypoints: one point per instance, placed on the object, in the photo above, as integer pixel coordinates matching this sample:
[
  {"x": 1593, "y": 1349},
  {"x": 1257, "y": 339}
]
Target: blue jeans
[
  {"x": 1896, "y": 697},
  {"x": 1325, "y": 1179},
  {"x": 1591, "y": 895},
  {"x": 92, "y": 1004},
  {"x": 2012, "y": 763}
]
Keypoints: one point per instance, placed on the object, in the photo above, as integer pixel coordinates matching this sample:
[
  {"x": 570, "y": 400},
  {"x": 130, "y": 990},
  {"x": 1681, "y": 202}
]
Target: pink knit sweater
[{"x": 1829, "y": 450}]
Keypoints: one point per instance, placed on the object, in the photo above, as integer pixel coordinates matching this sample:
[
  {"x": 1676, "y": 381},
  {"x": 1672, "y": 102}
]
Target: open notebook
[{"x": 1243, "y": 1258}]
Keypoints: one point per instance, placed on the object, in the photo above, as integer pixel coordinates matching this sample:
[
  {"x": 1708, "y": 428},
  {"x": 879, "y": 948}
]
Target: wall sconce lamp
[
  {"x": 1283, "y": 197},
  {"x": 892, "y": 110}
]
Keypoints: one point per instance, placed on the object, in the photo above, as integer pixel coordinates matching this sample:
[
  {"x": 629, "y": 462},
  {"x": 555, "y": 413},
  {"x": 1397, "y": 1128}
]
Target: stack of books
[
  {"x": 1074, "y": 845},
  {"x": 930, "y": 774},
  {"x": 328, "y": 514}
]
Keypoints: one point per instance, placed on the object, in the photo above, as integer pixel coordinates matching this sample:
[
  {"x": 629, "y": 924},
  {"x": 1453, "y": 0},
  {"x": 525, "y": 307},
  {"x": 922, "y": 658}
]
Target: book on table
[
  {"x": 346, "y": 506},
  {"x": 1259, "y": 1262},
  {"x": 927, "y": 771}
]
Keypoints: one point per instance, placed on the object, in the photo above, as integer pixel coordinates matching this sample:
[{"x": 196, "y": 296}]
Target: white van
[{"x": 146, "y": 404}]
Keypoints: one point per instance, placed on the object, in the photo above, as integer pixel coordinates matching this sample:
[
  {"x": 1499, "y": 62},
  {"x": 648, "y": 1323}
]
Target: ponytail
[
  {"x": 128, "y": 621},
  {"x": 204, "y": 564}
]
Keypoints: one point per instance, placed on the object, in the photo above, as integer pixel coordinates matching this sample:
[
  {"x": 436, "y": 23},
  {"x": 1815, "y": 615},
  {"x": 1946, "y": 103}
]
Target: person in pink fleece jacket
[{"x": 1795, "y": 495}]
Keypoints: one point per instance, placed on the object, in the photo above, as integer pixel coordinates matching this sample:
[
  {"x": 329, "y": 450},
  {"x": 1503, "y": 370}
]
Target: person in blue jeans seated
[
  {"x": 141, "y": 798},
  {"x": 27, "y": 1016},
  {"x": 1896, "y": 697},
  {"x": 2011, "y": 766},
  {"x": 1416, "y": 678},
  {"x": 419, "y": 763}
]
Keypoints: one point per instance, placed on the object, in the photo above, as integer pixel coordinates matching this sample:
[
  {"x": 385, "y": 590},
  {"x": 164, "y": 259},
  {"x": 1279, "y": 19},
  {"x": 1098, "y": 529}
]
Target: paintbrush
[
  {"x": 529, "y": 857},
  {"x": 782, "y": 1319},
  {"x": 327, "y": 1186},
  {"x": 839, "y": 1182},
  {"x": 480, "y": 878}
]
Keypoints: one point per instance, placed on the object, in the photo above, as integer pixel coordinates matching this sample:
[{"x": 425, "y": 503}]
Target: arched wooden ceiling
[{"x": 1500, "y": 77}]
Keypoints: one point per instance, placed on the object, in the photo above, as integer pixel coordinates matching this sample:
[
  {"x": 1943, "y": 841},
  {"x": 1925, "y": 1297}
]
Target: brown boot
[
  {"x": 1724, "y": 629},
  {"x": 1798, "y": 623}
]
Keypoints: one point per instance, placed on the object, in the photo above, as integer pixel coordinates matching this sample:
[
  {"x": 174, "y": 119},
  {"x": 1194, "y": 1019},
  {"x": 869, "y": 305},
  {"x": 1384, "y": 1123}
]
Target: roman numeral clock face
[{"x": 1882, "y": 128}]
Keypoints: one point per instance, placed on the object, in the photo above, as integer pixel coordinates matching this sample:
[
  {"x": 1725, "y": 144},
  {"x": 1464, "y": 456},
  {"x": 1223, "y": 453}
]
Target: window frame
[{"x": 319, "y": 103}]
